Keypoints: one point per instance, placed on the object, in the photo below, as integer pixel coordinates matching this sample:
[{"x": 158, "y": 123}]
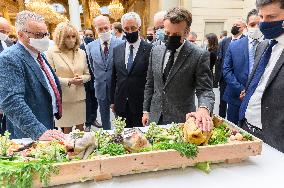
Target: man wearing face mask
[
  {"x": 159, "y": 27},
  {"x": 30, "y": 92},
  {"x": 178, "y": 70},
  {"x": 100, "y": 54},
  {"x": 261, "y": 111},
  {"x": 238, "y": 65},
  {"x": 150, "y": 35},
  {"x": 4, "y": 43},
  {"x": 237, "y": 33},
  {"x": 130, "y": 64}
]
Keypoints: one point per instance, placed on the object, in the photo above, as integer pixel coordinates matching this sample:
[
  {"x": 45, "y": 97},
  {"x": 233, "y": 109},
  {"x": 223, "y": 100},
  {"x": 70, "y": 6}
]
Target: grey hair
[
  {"x": 131, "y": 15},
  {"x": 24, "y": 16},
  {"x": 160, "y": 15}
]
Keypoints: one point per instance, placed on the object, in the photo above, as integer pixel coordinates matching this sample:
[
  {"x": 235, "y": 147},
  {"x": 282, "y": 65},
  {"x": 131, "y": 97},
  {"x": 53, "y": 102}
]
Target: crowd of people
[{"x": 61, "y": 83}]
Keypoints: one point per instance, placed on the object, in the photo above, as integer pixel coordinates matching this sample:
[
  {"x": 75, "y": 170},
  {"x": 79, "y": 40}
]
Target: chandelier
[
  {"x": 46, "y": 10},
  {"x": 115, "y": 9},
  {"x": 94, "y": 8}
]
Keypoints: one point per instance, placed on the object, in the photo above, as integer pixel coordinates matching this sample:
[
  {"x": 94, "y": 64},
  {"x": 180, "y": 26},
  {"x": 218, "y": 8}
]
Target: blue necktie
[
  {"x": 256, "y": 78},
  {"x": 130, "y": 59},
  {"x": 251, "y": 54}
]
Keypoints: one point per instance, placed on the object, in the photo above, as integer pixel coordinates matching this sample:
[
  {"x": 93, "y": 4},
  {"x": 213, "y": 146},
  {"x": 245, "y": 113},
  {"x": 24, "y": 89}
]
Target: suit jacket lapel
[
  {"x": 33, "y": 65},
  {"x": 121, "y": 58},
  {"x": 258, "y": 54},
  {"x": 139, "y": 53},
  {"x": 160, "y": 63},
  {"x": 184, "y": 52},
  {"x": 276, "y": 69}
]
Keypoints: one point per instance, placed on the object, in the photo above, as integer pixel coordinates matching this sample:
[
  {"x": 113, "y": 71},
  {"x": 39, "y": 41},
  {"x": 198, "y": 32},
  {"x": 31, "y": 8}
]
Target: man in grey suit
[
  {"x": 178, "y": 70},
  {"x": 262, "y": 108},
  {"x": 100, "y": 54}
]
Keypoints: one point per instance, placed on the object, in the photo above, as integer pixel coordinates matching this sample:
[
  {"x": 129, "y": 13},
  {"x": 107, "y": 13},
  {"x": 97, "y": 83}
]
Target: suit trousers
[
  {"x": 104, "y": 106},
  {"x": 132, "y": 119},
  {"x": 91, "y": 107},
  {"x": 223, "y": 104},
  {"x": 233, "y": 113},
  {"x": 2, "y": 124}
]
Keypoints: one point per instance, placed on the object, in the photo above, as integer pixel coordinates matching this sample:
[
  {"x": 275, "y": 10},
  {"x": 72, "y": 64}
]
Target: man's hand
[
  {"x": 145, "y": 119},
  {"x": 112, "y": 106},
  {"x": 202, "y": 119},
  {"x": 242, "y": 95}
]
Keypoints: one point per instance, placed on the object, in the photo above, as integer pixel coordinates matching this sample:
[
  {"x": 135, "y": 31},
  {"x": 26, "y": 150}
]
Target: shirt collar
[
  {"x": 33, "y": 54},
  {"x": 135, "y": 44},
  {"x": 259, "y": 40},
  {"x": 280, "y": 39},
  {"x": 102, "y": 42},
  {"x": 236, "y": 38}
]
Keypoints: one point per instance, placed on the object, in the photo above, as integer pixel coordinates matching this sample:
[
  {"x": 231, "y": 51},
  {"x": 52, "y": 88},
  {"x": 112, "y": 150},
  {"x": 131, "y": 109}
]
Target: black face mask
[
  {"x": 132, "y": 37},
  {"x": 150, "y": 38},
  {"x": 235, "y": 30},
  {"x": 172, "y": 42},
  {"x": 88, "y": 40}
]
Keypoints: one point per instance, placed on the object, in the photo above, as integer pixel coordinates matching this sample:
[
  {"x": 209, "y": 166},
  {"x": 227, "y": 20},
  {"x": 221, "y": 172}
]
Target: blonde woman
[{"x": 70, "y": 65}]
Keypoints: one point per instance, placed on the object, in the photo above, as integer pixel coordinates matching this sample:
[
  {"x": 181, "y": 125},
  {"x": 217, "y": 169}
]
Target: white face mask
[
  {"x": 40, "y": 44},
  {"x": 254, "y": 33},
  {"x": 105, "y": 36},
  {"x": 3, "y": 36}
]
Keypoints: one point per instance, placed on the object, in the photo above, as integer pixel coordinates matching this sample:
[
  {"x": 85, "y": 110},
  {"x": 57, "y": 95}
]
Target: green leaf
[{"x": 203, "y": 166}]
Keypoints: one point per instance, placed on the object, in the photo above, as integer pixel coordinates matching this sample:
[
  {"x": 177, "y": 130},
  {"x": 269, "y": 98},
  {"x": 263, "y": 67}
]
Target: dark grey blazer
[
  {"x": 272, "y": 105},
  {"x": 190, "y": 74}
]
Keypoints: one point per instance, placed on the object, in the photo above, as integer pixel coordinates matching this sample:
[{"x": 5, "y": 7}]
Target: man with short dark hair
[
  {"x": 238, "y": 65},
  {"x": 150, "y": 35},
  {"x": 237, "y": 33},
  {"x": 223, "y": 35},
  {"x": 177, "y": 70},
  {"x": 261, "y": 111},
  {"x": 91, "y": 100},
  {"x": 192, "y": 36},
  {"x": 117, "y": 30}
]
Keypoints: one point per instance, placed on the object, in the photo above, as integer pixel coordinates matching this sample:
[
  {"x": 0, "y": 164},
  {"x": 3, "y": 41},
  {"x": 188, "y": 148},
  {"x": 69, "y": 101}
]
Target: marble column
[
  {"x": 74, "y": 13},
  {"x": 86, "y": 13}
]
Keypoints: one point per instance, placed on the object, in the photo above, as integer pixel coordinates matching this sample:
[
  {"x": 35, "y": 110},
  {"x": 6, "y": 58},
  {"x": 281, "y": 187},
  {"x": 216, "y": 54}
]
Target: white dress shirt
[
  {"x": 102, "y": 44},
  {"x": 4, "y": 45},
  {"x": 253, "y": 112},
  {"x": 51, "y": 92},
  {"x": 168, "y": 53},
  {"x": 135, "y": 50}
]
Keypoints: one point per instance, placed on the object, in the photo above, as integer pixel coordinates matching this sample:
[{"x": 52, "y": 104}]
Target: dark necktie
[
  {"x": 169, "y": 66},
  {"x": 256, "y": 78},
  {"x": 130, "y": 59},
  {"x": 52, "y": 84},
  {"x": 1, "y": 47},
  {"x": 106, "y": 50}
]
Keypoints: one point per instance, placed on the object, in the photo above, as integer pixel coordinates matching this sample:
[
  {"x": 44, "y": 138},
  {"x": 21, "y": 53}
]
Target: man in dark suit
[
  {"x": 5, "y": 29},
  {"x": 30, "y": 92},
  {"x": 261, "y": 111},
  {"x": 91, "y": 100},
  {"x": 237, "y": 33},
  {"x": 178, "y": 70},
  {"x": 130, "y": 64},
  {"x": 238, "y": 65}
]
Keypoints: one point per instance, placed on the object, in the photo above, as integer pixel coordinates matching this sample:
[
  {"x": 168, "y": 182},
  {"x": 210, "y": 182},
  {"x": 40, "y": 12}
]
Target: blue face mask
[
  {"x": 271, "y": 30},
  {"x": 160, "y": 34}
]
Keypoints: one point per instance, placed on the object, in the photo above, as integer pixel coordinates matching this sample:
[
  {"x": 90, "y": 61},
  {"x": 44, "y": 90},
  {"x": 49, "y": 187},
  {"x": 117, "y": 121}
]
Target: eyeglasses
[
  {"x": 38, "y": 35},
  {"x": 4, "y": 32}
]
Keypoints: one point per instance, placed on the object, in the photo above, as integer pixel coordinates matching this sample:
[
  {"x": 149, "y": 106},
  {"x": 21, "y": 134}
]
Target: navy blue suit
[
  {"x": 235, "y": 72},
  {"x": 24, "y": 94}
]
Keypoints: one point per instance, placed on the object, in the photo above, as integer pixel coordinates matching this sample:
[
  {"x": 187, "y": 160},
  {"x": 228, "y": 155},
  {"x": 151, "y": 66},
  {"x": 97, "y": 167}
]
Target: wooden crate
[{"x": 103, "y": 168}]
